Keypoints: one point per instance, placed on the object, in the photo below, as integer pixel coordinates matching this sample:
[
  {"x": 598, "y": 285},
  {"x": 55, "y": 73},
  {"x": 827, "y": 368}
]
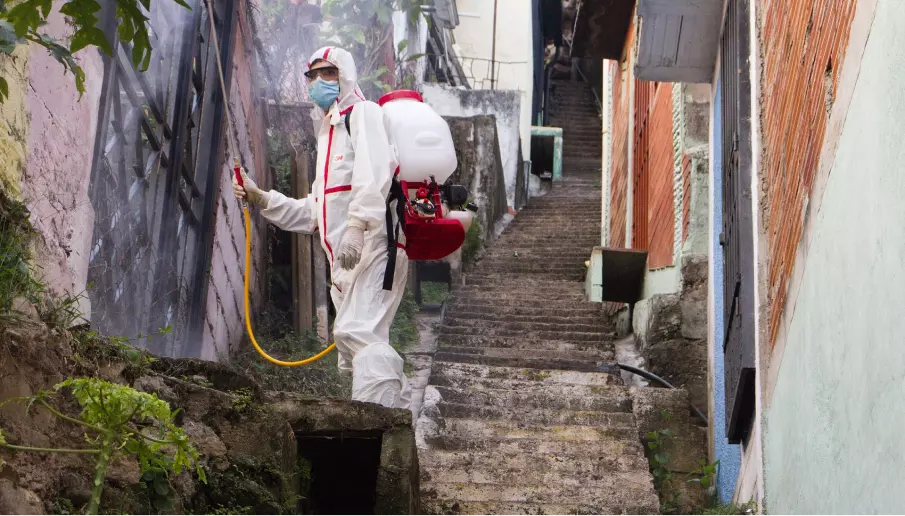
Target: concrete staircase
[
  {"x": 526, "y": 422},
  {"x": 573, "y": 108},
  {"x": 525, "y": 412}
]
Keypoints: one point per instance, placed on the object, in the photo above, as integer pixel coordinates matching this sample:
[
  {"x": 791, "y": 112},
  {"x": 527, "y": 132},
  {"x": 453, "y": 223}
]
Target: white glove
[
  {"x": 255, "y": 195},
  {"x": 353, "y": 241}
]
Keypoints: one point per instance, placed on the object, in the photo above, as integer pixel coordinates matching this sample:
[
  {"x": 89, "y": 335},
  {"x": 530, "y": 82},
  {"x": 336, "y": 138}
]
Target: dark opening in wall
[{"x": 342, "y": 471}]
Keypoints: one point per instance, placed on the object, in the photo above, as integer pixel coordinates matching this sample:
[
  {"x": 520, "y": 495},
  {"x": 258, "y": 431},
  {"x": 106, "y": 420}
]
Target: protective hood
[{"x": 349, "y": 92}]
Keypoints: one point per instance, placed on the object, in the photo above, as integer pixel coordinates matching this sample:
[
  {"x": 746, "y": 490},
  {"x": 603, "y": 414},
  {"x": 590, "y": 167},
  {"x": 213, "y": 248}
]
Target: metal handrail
[{"x": 593, "y": 91}]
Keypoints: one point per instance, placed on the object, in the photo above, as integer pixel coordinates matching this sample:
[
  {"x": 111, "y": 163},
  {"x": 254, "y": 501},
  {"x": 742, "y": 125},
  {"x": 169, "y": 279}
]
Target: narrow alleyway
[{"x": 526, "y": 422}]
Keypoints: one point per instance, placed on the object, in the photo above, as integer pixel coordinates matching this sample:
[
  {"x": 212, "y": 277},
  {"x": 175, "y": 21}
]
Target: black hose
[{"x": 654, "y": 378}]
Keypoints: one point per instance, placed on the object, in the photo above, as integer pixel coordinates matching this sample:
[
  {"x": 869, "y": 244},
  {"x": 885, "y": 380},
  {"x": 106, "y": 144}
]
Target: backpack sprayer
[{"x": 427, "y": 158}]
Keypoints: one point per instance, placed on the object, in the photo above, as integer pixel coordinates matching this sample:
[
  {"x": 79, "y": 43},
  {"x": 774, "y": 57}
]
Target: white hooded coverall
[{"x": 353, "y": 180}]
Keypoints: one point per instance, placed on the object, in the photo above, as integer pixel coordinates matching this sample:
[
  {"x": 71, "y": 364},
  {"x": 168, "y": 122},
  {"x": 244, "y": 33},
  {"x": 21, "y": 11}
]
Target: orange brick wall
[
  {"x": 803, "y": 45},
  {"x": 660, "y": 202},
  {"x": 619, "y": 170}
]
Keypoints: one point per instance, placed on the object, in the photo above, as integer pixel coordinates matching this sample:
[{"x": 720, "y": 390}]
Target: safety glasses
[{"x": 327, "y": 73}]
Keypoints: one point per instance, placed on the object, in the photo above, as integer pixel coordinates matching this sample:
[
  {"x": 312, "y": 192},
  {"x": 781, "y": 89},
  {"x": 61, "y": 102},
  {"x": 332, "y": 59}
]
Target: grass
[
  {"x": 731, "y": 508},
  {"x": 474, "y": 240},
  {"x": 403, "y": 333},
  {"x": 434, "y": 293},
  {"x": 17, "y": 280}
]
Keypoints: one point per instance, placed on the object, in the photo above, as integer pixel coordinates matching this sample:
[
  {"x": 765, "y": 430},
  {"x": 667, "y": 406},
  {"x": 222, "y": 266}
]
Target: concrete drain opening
[
  {"x": 342, "y": 471},
  {"x": 350, "y": 457}
]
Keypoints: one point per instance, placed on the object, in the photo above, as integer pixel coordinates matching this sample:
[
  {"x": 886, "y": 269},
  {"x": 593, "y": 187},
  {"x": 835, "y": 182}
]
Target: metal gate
[
  {"x": 737, "y": 236},
  {"x": 154, "y": 181}
]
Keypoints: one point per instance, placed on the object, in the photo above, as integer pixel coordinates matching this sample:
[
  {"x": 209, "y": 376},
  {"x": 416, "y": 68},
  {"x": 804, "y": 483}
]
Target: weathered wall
[
  {"x": 48, "y": 137},
  {"x": 504, "y": 105},
  {"x": 661, "y": 214},
  {"x": 480, "y": 167},
  {"x": 803, "y": 48},
  {"x": 514, "y": 69},
  {"x": 224, "y": 321},
  {"x": 831, "y": 441},
  {"x": 619, "y": 167},
  {"x": 58, "y": 160}
]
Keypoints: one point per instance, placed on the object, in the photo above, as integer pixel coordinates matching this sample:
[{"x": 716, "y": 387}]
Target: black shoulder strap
[
  {"x": 346, "y": 121},
  {"x": 396, "y": 194}
]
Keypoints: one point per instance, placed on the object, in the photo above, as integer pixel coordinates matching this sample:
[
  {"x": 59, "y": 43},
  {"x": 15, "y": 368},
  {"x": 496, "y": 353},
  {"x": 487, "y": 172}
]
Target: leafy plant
[
  {"x": 705, "y": 476},
  {"x": 22, "y": 24},
  {"x": 658, "y": 457},
  {"x": 365, "y": 29},
  {"x": 119, "y": 420}
]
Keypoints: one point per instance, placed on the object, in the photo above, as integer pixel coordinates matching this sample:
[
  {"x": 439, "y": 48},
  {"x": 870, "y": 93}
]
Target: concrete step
[
  {"x": 590, "y": 319},
  {"x": 514, "y": 310},
  {"x": 611, "y": 400},
  {"x": 445, "y": 507},
  {"x": 495, "y": 303},
  {"x": 538, "y": 417},
  {"x": 482, "y": 325},
  {"x": 474, "y": 430},
  {"x": 518, "y": 344},
  {"x": 501, "y": 278},
  {"x": 452, "y": 371},
  {"x": 575, "y": 271},
  {"x": 626, "y": 493},
  {"x": 540, "y": 364},
  {"x": 517, "y": 311},
  {"x": 529, "y": 388},
  {"x": 599, "y": 357},
  {"x": 521, "y": 297}
]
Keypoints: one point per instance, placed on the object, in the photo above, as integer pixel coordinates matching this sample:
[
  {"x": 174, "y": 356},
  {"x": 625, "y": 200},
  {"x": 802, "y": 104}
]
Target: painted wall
[
  {"x": 46, "y": 142},
  {"x": 58, "y": 162},
  {"x": 504, "y": 105},
  {"x": 729, "y": 455},
  {"x": 514, "y": 51},
  {"x": 832, "y": 430}
]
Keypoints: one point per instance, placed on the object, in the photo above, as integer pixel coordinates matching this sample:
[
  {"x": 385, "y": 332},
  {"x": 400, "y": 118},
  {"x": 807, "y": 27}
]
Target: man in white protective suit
[{"x": 347, "y": 206}]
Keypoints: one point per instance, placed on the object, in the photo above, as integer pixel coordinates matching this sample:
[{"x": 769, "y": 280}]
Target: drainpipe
[{"x": 493, "y": 50}]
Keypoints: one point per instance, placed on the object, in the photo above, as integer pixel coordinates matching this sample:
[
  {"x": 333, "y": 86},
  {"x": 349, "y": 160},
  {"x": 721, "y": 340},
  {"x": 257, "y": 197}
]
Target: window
[
  {"x": 737, "y": 236},
  {"x": 154, "y": 181}
]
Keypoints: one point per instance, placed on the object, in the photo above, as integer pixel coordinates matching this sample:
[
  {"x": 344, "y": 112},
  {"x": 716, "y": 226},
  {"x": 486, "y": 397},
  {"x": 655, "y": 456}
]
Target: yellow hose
[{"x": 251, "y": 334}]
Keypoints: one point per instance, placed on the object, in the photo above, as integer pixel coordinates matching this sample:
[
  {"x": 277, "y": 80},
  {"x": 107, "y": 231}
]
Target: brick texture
[
  {"x": 224, "y": 319},
  {"x": 803, "y": 45},
  {"x": 619, "y": 170},
  {"x": 661, "y": 212}
]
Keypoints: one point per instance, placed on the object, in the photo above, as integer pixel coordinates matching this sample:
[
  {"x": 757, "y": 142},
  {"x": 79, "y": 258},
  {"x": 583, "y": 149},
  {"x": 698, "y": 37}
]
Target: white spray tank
[
  {"x": 423, "y": 142},
  {"x": 422, "y": 137}
]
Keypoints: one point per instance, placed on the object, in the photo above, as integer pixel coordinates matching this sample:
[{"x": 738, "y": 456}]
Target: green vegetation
[
  {"x": 474, "y": 241},
  {"x": 403, "y": 333},
  {"x": 119, "y": 420},
  {"x": 21, "y": 24}
]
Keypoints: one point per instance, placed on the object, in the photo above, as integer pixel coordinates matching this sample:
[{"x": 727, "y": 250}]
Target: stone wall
[{"x": 480, "y": 167}]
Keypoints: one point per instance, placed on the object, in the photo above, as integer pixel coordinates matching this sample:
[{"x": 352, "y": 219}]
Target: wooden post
[{"x": 302, "y": 277}]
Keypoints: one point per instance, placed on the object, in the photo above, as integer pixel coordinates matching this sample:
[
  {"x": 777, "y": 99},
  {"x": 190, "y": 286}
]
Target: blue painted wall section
[{"x": 729, "y": 455}]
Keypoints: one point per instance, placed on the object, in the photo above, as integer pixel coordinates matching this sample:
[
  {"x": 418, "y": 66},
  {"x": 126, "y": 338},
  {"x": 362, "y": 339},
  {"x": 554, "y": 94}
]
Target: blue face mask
[{"x": 324, "y": 93}]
